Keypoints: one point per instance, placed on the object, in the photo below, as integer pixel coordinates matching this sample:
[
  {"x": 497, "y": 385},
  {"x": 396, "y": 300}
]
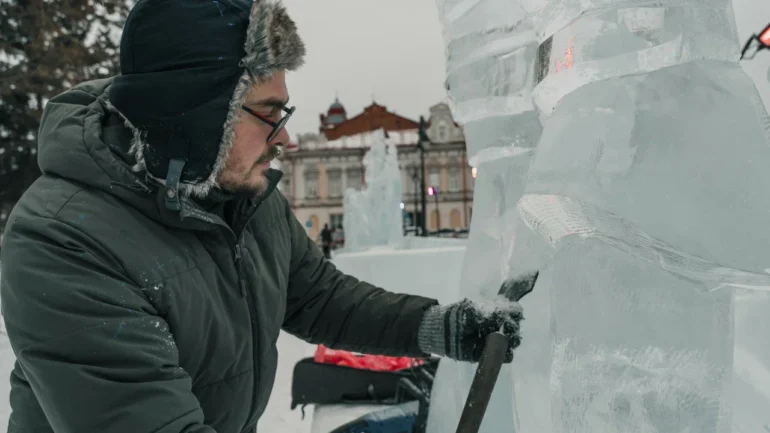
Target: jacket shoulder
[{"x": 84, "y": 208}]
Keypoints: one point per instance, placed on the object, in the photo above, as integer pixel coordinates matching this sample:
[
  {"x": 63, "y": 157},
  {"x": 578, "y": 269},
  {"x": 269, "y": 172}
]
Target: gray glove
[{"x": 459, "y": 330}]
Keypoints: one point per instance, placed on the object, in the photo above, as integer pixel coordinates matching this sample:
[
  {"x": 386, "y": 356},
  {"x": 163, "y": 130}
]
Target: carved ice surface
[
  {"x": 751, "y": 384},
  {"x": 588, "y": 41},
  {"x": 649, "y": 187},
  {"x": 373, "y": 216},
  {"x": 490, "y": 49},
  {"x": 645, "y": 207}
]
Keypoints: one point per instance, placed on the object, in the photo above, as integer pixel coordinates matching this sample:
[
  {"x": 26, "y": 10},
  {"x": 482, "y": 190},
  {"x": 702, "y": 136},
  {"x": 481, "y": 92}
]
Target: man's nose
[{"x": 282, "y": 137}]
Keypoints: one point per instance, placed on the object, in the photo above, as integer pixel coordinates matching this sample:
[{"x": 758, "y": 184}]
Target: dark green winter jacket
[{"x": 127, "y": 317}]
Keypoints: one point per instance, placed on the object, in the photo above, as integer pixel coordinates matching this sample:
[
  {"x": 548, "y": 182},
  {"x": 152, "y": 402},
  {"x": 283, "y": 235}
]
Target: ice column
[
  {"x": 751, "y": 379},
  {"x": 752, "y": 362},
  {"x": 373, "y": 215},
  {"x": 649, "y": 184},
  {"x": 490, "y": 49}
]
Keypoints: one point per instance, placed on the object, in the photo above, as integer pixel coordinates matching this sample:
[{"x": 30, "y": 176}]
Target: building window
[
  {"x": 412, "y": 179},
  {"x": 454, "y": 178},
  {"x": 286, "y": 186},
  {"x": 311, "y": 184},
  {"x": 442, "y": 132},
  {"x": 434, "y": 177},
  {"x": 334, "y": 177},
  {"x": 470, "y": 178},
  {"x": 335, "y": 221},
  {"x": 354, "y": 178}
]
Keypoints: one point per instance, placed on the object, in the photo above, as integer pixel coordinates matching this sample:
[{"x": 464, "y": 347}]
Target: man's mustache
[{"x": 271, "y": 153}]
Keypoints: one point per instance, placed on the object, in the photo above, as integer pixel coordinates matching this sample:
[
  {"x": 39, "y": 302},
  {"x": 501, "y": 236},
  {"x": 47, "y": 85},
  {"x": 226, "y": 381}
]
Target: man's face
[{"x": 250, "y": 155}]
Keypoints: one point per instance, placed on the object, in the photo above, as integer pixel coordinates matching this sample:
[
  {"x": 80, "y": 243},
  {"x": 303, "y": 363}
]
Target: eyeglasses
[{"x": 277, "y": 126}]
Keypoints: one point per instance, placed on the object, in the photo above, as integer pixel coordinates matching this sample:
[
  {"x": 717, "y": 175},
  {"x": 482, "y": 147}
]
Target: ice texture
[
  {"x": 588, "y": 41},
  {"x": 644, "y": 209},
  {"x": 490, "y": 49},
  {"x": 649, "y": 187},
  {"x": 751, "y": 384},
  {"x": 373, "y": 216}
]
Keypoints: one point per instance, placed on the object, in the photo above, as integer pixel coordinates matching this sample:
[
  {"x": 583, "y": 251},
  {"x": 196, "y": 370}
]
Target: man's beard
[
  {"x": 270, "y": 154},
  {"x": 246, "y": 187}
]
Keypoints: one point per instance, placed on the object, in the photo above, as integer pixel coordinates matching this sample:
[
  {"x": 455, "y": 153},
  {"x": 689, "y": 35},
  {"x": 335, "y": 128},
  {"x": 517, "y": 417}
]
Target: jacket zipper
[
  {"x": 251, "y": 305},
  {"x": 252, "y": 325},
  {"x": 239, "y": 266}
]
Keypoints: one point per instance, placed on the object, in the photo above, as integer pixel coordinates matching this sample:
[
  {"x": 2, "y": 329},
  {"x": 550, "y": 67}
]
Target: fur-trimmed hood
[{"x": 186, "y": 68}]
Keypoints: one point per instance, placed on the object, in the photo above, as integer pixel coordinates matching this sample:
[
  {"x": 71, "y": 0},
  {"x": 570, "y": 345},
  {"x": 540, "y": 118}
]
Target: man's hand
[{"x": 459, "y": 330}]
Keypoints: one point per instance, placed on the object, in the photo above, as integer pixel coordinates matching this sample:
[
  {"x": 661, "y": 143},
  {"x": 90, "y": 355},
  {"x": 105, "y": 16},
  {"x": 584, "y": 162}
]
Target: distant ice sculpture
[
  {"x": 490, "y": 49},
  {"x": 649, "y": 185},
  {"x": 373, "y": 216}
]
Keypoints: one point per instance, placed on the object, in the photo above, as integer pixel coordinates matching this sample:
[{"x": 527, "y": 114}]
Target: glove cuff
[{"x": 431, "y": 334}]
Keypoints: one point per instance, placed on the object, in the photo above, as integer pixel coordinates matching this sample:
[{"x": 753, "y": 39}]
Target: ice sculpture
[
  {"x": 373, "y": 215},
  {"x": 490, "y": 49},
  {"x": 649, "y": 184},
  {"x": 752, "y": 362}
]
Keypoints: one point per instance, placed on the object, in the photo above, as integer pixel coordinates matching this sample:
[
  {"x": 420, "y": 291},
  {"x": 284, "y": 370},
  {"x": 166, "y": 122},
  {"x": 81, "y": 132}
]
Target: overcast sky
[{"x": 393, "y": 52}]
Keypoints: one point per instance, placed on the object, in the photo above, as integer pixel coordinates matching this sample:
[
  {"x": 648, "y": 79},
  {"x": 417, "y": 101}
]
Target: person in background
[{"x": 326, "y": 241}]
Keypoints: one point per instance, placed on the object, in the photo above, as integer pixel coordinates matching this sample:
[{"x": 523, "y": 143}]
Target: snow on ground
[
  {"x": 278, "y": 416},
  {"x": 7, "y": 358}
]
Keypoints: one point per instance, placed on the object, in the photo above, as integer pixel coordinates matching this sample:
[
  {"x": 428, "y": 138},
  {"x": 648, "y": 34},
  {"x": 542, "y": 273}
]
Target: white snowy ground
[
  {"x": 7, "y": 358},
  {"x": 278, "y": 416}
]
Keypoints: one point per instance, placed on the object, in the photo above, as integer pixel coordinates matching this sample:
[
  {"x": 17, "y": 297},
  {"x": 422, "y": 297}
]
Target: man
[
  {"x": 326, "y": 241},
  {"x": 147, "y": 274}
]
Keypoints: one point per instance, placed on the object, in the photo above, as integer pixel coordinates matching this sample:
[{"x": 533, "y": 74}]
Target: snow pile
[{"x": 431, "y": 271}]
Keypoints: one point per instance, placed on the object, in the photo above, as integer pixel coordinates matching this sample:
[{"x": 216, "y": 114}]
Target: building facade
[{"x": 322, "y": 166}]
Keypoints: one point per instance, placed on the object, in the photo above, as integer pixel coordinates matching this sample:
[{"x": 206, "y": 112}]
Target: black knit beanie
[{"x": 186, "y": 67}]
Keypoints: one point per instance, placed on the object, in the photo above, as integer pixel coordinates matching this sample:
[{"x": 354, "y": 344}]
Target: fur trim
[
  {"x": 272, "y": 44},
  {"x": 138, "y": 144}
]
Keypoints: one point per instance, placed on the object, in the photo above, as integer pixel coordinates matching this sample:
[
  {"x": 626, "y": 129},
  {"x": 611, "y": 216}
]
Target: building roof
[
  {"x": 336, "y": 108},
  {"x": 372, "y": 118},
  {"x": 406, "y": 137}
]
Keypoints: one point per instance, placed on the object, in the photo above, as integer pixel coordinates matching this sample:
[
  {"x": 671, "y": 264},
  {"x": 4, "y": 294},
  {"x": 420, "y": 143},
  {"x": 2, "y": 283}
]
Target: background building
[{"x": 319, "y": 169}]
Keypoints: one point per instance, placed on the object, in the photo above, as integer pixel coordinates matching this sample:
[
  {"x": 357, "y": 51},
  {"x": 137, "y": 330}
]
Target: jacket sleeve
[
  {"x": 93, "y": 355},
  {"x": 326, "y": 306}
]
